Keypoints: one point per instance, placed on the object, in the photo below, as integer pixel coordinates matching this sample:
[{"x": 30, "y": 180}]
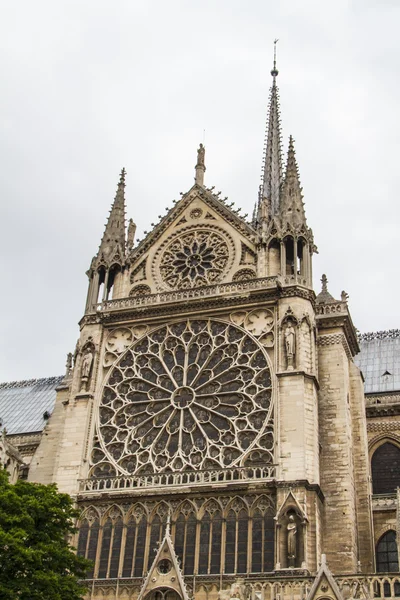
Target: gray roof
[
  {"x": 23, "y": 404},
  {"x": 379, "y": 360}
]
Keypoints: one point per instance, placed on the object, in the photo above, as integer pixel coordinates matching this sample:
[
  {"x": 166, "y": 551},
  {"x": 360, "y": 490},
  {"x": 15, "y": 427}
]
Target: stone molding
[
  {"x": 384, "y": 502},
  {"x": 335, "y": 338},
  {"x": 383, "y": 427}
]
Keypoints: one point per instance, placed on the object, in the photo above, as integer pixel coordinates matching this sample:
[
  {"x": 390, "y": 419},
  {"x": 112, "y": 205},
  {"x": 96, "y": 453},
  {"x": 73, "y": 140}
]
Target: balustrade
[{"x": 179, "y": 479}]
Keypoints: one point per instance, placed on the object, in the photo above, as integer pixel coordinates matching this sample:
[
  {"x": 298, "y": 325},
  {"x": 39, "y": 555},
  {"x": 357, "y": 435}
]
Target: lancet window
[
  {"x": 385, "y": 467},
  {"x": 208, "y": 540}
]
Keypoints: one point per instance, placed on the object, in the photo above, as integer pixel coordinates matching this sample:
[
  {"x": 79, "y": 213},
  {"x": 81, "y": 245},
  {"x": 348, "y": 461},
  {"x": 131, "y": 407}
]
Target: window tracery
[
  {"x": 189, "y": 395},
  {"x": 194, "y": 257},
  {"x": 223, "y": 525}
]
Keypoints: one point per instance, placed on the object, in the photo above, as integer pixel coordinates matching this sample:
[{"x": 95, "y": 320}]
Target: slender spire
[
  {"x": 114, "y": 233},
  {"x": 292, "y": 206},
  {"x": 200, "y": 165},
  {"x": 271, "y": 177}
]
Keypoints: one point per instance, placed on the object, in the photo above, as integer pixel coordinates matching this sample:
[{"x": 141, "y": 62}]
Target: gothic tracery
[{"x": 189, "y": 395}]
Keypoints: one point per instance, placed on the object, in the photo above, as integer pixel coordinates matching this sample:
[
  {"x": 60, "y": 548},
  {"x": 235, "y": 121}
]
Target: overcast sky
[{"x": 89, "y": 87}]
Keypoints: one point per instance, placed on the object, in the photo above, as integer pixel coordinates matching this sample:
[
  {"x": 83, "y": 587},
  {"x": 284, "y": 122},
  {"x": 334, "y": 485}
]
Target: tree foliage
[{"x": 36, "y": 560}]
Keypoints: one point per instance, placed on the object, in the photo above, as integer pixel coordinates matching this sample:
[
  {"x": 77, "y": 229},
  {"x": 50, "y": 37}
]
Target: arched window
[
  {"x": 135, "y": 545},
  {"x": 210, "y": 541},
  {"x": 236, "y": 541},
  {"x": 185, "y": 539},
  {"x": 262, "y": 542},
  {"x": 385, "y": 467},
  {"x": 88, "y": 540},
  {"x": 105, "y": 549},
  {"x": 386, "y": 553}
]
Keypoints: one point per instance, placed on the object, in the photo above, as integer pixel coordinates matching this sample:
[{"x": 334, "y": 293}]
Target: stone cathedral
[{"x": 220, "y": 430}]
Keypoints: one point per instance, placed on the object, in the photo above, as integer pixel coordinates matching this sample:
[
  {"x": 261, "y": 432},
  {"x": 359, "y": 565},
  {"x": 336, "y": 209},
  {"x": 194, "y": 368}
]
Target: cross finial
[{"x": 275, "y": 71}]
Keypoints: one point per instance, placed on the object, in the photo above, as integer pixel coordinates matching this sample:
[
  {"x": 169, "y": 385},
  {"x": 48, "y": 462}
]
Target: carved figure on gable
[
  {"x": 291, "y": 541},
  {"x": 290, "y": 344},
  {"x": 201, "y": 155}
]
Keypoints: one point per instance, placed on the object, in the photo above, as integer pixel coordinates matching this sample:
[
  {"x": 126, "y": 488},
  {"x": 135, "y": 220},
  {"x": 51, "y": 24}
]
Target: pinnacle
[
  {"x": 114, "y": 232},
  {"x": 324, "y": 297}
]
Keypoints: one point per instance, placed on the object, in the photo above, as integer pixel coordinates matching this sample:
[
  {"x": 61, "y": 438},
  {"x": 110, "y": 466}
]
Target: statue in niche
[
  {"x": 86, "y": 367},
  {"x": 290, "y": 344},
  {"x": 291, "y": 541}
]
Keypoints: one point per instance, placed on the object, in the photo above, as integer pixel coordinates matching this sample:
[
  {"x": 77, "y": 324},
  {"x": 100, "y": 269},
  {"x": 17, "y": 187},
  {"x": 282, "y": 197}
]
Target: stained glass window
[{"x": 385, "y": 467}]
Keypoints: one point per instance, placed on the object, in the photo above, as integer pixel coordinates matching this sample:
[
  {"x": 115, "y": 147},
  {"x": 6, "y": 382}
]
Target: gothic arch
[
  {"x": 185, "y": 504},
  {"x": 207, "y": 506},
  {"x": 385, "y": 467}
]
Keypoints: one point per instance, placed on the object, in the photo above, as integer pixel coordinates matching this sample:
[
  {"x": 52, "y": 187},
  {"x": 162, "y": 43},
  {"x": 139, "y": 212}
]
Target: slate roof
[
  {"x": 379, "y": 360},
  {"x": 23, "y": 403}
]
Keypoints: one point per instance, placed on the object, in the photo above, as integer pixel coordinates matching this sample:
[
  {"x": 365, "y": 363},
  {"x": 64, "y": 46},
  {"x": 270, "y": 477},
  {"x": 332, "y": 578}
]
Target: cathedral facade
[{"x": 212, "y": 423}]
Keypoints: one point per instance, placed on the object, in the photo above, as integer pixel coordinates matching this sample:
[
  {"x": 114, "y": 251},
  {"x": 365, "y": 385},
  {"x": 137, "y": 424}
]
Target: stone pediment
[
  {"x": 199, "y": 242},
  {"x": 165, "y": 572},
  {"x": 324, "y": 586}
]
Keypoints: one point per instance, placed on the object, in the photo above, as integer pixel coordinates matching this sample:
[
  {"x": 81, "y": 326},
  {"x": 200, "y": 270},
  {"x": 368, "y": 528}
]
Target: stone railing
[
  {"x": 378, "y": 400},
  {"x": 153, "y": 481},
  {"x": 384, "y": 501},
  {"x": 263, "y": 586},
  {"x": 222, "y": 289},
  {"x": 332, "y": 308}
]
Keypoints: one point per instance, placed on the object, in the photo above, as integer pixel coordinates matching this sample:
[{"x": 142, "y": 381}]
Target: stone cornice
[{"x": 304, "y": 374}]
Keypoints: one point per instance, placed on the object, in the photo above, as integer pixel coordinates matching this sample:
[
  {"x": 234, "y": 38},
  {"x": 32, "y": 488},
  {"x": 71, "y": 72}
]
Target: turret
[{"x": 106, "y": 267}]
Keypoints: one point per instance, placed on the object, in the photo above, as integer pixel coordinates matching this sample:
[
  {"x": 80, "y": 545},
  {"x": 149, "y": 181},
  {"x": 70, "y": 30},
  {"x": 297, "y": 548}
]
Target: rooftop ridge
[
  {"x": 378, "y": 335},
  {"x": 30, "y": 382}
]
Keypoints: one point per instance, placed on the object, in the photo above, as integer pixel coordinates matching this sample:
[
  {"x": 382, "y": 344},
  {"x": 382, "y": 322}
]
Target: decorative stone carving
[
  {"x": 119, "y": 340},
  {"x": 259, "y": 321},
  {"x": 140, "y": 290},
  {"x": 244, "y": 275},
  {"x": 196, "y": 213},
  {"x": 193, "y": 394},
  {"x": 194, "y": 257},
  {"x": 237, "y": 591}
]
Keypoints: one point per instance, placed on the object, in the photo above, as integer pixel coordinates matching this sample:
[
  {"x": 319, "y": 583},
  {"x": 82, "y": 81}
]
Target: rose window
[
  {"x": 195, "y": 258},
  {"x": 190, "y": 395}
]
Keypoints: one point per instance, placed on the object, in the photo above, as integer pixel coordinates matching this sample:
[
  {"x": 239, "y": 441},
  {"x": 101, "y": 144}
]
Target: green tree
[{"x": 36, "y": 560}]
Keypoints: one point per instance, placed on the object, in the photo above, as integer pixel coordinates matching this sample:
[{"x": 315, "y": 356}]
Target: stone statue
[
  {"x": 291, "y": 541},
  {"x": 201, "y": 155},
  {"x": 68, "y": 364},
  {"x": 290, "y": 344},
  {"x": 87, "y": 364},
  {"x": 131, "y": 234}
]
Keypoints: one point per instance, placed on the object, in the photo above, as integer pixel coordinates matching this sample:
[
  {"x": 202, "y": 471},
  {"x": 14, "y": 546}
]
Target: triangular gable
[
  {"x": 165, "y": 571},
  {"x": 209, "y": 198},
  {"x": 324, "y": 585},
  {"x": 290, "y": 502}
]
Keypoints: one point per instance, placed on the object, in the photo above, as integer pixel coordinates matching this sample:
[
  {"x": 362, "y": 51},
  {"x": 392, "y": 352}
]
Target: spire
[
  {"x": 200, "y": 165},
  {"x": 114, "y": 233},
  {"x": 272, "y": 166},
  {"x": 292, "y": 207}
]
